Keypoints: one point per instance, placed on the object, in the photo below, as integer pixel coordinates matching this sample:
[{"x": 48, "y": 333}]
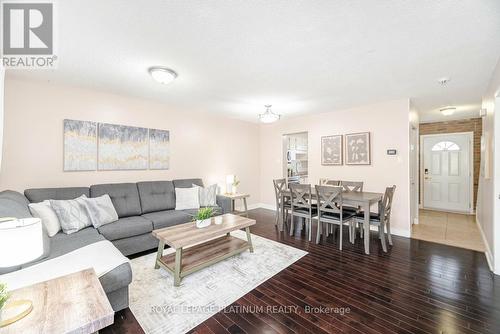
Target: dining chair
[
  {"x": 279, "y": 187},
  {"x": 331, "y": 211},
  {"x": 302, "y": 206},
  {"x": 328, "y": 182},
  {"x": 382, "y": 219},
  {"x": 350, "y": 186}
]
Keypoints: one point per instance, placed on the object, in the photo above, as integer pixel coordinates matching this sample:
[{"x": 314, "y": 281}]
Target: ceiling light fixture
[
  {"x": 448, "y": 111},
  {"x": 443, "y": 81},
  {"x": 162, "y": 75},
  {"x": 268, "y": 116}
]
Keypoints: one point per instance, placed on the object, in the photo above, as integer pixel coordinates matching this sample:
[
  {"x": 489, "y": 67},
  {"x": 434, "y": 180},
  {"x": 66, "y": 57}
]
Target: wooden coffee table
[{"x": 197, "y": 248}]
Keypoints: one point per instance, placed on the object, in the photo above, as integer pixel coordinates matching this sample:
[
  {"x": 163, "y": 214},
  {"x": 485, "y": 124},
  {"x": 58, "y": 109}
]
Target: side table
[{"x": 243, "y": 198}]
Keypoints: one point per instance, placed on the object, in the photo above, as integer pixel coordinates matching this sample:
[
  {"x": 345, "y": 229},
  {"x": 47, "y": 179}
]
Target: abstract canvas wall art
[
  {"x": 159, "y": 149},
  {"x": 331, "y": 150},
  {"x": 122, "y": 147},
  {"x": 357, "y": 149},
  {"x": 80, "y": 145}
]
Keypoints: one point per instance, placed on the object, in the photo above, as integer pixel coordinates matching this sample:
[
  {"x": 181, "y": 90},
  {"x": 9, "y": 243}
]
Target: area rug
[{"x": 159, "y": 307}]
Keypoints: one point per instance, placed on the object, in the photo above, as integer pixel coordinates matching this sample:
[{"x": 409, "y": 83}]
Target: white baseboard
[
  {"x": 394, "y": 231},
  {"x": 488, "y": 253},
  {"x": 239, "y": 207},
  {"x": 262, "y": 206}
]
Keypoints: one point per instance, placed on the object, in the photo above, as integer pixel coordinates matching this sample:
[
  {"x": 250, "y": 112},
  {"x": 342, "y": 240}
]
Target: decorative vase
[
  {"x": 234, "y": 189},
  {"x": 203, "y": 223}
]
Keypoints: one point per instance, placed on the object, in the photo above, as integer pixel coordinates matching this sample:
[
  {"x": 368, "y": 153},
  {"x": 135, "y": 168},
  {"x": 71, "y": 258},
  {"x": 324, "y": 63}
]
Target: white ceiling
[{"x": 301, "y": 56}]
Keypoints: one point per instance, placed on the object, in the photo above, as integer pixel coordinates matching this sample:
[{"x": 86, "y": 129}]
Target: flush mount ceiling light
[
  {"x": 268, "y": 116},
  {"x": 447, "y": 111},
  {"x": 162, "y": 75},
  {"x": 443, "y": 81}
]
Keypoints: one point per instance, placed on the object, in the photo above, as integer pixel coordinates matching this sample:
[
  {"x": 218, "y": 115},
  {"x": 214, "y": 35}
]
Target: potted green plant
[
  {"x": 4, "y": 296},
  {"x": 235, "y": 184},
  {"x": 204, "y": 217}
]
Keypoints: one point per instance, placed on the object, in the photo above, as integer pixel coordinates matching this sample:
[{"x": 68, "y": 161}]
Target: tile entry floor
[{"x": 452, "y": 229}]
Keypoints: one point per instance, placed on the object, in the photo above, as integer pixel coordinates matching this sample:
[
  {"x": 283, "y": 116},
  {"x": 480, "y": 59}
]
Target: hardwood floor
[{"x": 416, "y": 287}]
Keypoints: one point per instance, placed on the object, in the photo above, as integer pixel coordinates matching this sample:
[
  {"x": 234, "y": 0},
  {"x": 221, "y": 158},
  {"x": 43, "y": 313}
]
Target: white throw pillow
[
  {"x": 187, "y": 198},
  {"x": 44, "y": 211},
  {"x": 208, "y": 195},
  {"x": 72, "y": 214},
  {"x": 101, "y": 210}
]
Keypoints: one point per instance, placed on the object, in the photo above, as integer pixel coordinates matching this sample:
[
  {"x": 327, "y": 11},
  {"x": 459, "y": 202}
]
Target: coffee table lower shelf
[{"x": 189, "y": 260}]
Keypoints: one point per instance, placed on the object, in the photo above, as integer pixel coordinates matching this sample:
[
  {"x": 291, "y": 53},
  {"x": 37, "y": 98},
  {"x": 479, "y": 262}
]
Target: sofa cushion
[
  {"x": 137, "y": 244},
  {"x": 126, "y": 227},
  {"x": 13, "y": 204},
  {"x": 167, "y": 218},
  {"x": 63, "y": 243},
  {"x": 156, "y": 195},
  {"x": 125, "y": 197},
  {"x": 41, "y": 194},
  {"x": 187, "y": 183}
]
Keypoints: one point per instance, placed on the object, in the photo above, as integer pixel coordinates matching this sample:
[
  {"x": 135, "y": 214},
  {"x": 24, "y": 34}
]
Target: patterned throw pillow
[
  {"x": 208, "y": 195},
  {"x": 101, "y": 210},
  {"x": 72, "y": 214},
  {"x": 44, "y": 211}
]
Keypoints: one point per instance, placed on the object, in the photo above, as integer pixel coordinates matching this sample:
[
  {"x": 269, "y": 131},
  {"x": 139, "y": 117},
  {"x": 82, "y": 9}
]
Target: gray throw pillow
[
  {"x": 208, "y": 195},
  {"x": 72, "y": 214},
  {"x": 101, "y": 210}
]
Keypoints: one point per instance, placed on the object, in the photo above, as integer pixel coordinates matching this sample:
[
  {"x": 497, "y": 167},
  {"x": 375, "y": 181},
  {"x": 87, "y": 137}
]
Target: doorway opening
[
  {"x": 449, "y": 154},
  {"x": 446, "y": 172},
  {"x": 295, "y": 157}
]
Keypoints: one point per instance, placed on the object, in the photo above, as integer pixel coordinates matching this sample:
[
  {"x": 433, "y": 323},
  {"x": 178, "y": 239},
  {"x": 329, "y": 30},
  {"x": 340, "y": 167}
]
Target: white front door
[{"x": 447, "y": 171}]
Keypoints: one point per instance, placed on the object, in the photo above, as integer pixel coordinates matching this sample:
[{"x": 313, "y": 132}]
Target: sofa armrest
[{"x": 225, "y": 203}]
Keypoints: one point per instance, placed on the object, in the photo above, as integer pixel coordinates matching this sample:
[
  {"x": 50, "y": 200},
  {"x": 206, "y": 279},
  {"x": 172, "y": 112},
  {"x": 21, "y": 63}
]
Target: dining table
[{"x": 361, "y": 199}]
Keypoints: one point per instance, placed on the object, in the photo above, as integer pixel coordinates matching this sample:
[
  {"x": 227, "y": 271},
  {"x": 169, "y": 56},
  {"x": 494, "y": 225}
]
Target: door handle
[{"x": 427, "y": 178}]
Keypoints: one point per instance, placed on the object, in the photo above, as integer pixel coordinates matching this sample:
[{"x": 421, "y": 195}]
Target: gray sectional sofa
[{"x": 141, "y": 207}]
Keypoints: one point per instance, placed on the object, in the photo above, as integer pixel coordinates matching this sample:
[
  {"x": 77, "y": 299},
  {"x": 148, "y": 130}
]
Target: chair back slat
[
  {"x": 329, "y": 199},
  {"x": 301, "y": 195},
  {"x": 328, "y": 182},
  {"x": 279, "y": 186},
  {"x": 387, "y": 201},
  {"x": 350, "y": 186}
]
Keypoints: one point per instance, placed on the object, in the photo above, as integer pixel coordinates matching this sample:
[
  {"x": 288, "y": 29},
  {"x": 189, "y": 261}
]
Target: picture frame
[
  {"x": 357, "y": 148},
  {"x": 332, "y": 150}
]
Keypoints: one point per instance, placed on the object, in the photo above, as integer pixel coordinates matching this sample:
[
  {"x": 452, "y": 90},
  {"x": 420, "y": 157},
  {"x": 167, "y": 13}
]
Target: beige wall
[
  {"x": 389, "y": 127},
  {"x": 202, "y": 145},
  {"x": 488, "y": 206}
]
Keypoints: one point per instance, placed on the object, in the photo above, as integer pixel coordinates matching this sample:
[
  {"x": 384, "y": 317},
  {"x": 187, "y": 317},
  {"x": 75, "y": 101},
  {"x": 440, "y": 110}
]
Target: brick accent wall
[{"x": 467, "y": 125}]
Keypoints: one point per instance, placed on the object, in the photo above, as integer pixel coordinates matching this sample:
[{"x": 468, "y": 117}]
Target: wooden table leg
[
  {"x": 250, "y": 245},
  {"x": 161, "y": 246},
  {"x": 178, "y": 262},
  {"x": 245, "y": 205},
  {"x": 366, "y": 227}
]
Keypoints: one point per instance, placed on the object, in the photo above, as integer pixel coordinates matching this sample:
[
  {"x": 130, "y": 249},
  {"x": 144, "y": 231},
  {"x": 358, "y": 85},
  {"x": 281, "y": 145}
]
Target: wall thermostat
[{"x": 392, "y": 152}]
